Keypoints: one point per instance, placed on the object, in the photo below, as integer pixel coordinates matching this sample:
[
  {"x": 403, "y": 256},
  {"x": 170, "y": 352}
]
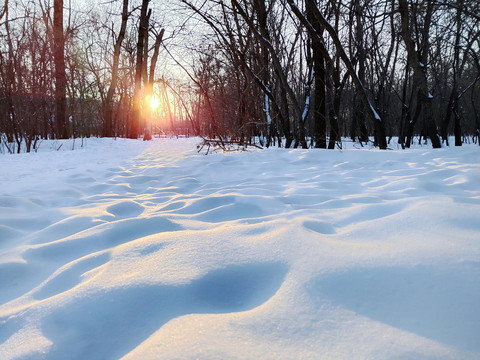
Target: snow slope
[{"x": 134, "y": 250}]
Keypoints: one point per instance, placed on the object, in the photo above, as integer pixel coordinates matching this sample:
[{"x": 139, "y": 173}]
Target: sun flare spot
[{"x": 154, "y": 103}]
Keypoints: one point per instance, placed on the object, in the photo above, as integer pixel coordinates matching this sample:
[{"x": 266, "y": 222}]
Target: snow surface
[{"x": 136, "y": 250}]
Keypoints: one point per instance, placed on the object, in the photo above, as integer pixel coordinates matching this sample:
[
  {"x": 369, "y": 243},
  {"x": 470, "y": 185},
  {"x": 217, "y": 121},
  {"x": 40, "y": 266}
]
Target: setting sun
[{"x": 154, "y": 103}]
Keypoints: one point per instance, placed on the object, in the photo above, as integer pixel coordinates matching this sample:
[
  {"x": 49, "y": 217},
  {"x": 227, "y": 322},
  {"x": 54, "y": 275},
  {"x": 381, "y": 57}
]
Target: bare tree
[
  {"x": 136, "y": 120},
  {"x": 282, "y": 74},
  {"x": 108, "y": 117},
  {"x": 369, "y": 109},
  {"x": 418, "y": 61},
  {"x": 319, "y": 74},
  {"x": 60, "y": 74}
]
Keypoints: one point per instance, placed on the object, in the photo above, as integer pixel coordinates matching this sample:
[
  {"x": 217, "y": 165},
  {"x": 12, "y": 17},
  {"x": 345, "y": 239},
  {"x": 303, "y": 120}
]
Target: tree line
[
  {"x": 72, "y": 72},
  {"x": 306, "y": 73},
  {"x": 292, "y": 73}
]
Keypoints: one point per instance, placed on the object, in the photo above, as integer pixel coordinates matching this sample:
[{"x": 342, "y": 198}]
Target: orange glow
[{"x": 154, "y": 103}]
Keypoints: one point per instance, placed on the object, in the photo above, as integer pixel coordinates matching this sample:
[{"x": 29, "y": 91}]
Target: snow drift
[{"x": 124, "y": 249}]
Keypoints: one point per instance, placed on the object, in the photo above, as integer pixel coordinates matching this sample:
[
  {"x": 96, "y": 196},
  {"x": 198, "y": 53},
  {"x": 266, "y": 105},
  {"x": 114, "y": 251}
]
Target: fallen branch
[{"x": 215, "y": 145}]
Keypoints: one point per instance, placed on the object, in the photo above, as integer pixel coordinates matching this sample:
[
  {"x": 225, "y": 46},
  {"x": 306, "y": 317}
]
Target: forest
[
  {"x": 287, "y": 73},
  {"x": 120, "y": 239}
]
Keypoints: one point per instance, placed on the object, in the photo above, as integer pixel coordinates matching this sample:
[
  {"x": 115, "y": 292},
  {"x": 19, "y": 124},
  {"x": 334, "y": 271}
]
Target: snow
[
  {"x": 306, "y": 108},
  {"x": 136, "y": 250},
  {"x": 375, "y": 114},
  {"x": 267, "y": 109}
]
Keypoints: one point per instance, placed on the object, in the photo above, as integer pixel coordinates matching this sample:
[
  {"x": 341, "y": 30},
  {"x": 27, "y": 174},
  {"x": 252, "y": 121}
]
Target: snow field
[{"x": 153, "y": 251}]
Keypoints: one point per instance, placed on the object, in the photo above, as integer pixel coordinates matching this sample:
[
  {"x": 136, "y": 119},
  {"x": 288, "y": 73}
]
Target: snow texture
[
  {"x": 267, "y": 109},
  {"x": 377, "y": 117},
  {"x": 135, "y": 250}
]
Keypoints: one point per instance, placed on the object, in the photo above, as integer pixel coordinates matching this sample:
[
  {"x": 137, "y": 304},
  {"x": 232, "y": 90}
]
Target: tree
[
  {"x": 319, "y": 73},
  {"x": 282, "y": 75},
  {"x": 136, "y": 119},
  {"x": 108, "y": 117},
  {"x": 277, "y": 72},
  {"x": 368, "y": 107},
  {"x": 60, "y": 74},
  {"x": 418, "y": 60}
]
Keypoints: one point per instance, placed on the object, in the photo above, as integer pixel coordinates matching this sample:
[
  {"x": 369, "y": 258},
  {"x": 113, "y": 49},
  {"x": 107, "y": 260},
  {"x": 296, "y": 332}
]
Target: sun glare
[{"x": 154, "y": 103}]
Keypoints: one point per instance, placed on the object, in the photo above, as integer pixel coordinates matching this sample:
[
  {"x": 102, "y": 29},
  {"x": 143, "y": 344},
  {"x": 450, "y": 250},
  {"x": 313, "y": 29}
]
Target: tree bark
[
  {"x": 359, "y": 114},
  {"x": 108, "y": 119},
  {"x": 136, "y": 118},
  {"x": 145, "y": 49},
  {"x": 319, "y": 111},
  {"x": 153, "y": 62},
  {"x": 453, "y": 99},
  {"x": 261, "y": 12},
  {"x": 60, "y": 75},
  {"x": 425, "y": 99}
]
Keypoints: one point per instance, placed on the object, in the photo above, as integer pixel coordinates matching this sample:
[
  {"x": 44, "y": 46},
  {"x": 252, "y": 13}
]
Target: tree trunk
[
  {"x": 285, "y": 88},
  {"x": 319, "y": 111},
  {"x": 456, "y": 74},
  {"x": 261, "y": 12},
  {"x": 60, "y": 75},
  {"x": 145, "y": 50},
  {"x": 134, "y": 125},
  {"x": 153, "y": 62},
  {"x": 359, "y": 114},
  {"x": 108, "y": 119},
  {"x": 425, "y": 99},
  {"x": 373, "y": 115},
  {"x": 9, "y": 78}
]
